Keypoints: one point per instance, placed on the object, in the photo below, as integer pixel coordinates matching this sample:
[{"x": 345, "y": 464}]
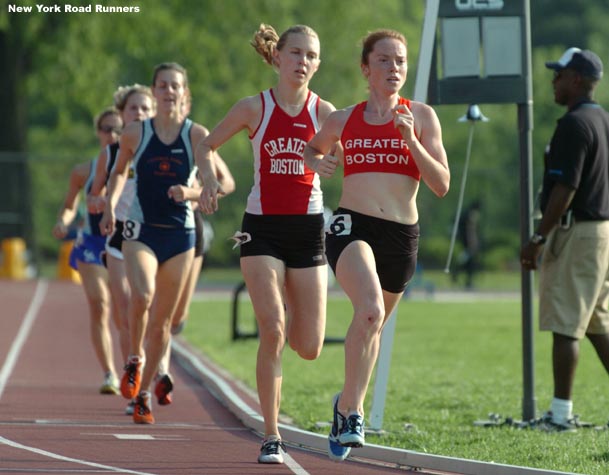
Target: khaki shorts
[{"x": 574, "y": 280}]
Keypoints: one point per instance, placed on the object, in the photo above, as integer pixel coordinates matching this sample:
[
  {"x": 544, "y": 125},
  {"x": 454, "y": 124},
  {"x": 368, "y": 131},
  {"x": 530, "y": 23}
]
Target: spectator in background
[
  {"x": 469, "y": 235},
  {"x": 572, "y": 236}
]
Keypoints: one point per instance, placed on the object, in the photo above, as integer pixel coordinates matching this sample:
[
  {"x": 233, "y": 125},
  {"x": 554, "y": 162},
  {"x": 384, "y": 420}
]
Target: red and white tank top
[
  {"x": 282, "y": 182},
  {"x": 375, "y": 148}
]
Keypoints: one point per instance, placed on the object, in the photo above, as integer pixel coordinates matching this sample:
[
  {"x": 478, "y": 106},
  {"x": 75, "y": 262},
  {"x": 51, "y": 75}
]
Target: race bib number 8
[
  {"x": 132, "y": 229},
  {"x": 339, "y": 225}
]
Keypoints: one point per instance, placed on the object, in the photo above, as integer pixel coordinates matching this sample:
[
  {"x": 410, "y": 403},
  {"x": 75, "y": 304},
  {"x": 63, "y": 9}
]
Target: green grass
[{"x": 452, "y": 363}]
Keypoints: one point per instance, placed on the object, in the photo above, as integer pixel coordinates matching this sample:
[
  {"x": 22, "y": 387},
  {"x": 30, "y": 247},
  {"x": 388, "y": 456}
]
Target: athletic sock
[
  {"x": 135, "y": 359},
  {"x": 561, "y": 410}
]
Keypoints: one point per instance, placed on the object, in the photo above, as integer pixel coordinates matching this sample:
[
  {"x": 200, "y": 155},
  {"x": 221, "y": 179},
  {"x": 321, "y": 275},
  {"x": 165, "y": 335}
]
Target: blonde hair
[
  {"x": 374, "y": 37},
  {"x": 123, "y": 93},
  {"x": 266, "y": 39}
]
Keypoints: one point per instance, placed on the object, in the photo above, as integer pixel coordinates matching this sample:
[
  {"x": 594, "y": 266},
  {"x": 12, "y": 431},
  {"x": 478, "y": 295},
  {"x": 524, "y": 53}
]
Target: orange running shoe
[
  {"x": 142, "y": 413},
  {"x": 163, "y": 388},
  {"x": 132, "y": 378}
]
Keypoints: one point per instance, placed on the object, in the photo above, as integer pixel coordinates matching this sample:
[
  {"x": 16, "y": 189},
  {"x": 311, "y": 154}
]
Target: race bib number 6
[
  {"x": 132, "y": 229},
  {"x": 339, "y": 225}
]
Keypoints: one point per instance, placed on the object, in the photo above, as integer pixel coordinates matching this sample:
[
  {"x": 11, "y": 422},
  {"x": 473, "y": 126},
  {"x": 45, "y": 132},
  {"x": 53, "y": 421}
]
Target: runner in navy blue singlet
[{"x": 159, "y": 231}]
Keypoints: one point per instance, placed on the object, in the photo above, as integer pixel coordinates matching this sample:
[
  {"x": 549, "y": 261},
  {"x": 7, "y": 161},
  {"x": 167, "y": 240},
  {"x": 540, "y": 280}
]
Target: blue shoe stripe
[{"x": 337, "y": 452}]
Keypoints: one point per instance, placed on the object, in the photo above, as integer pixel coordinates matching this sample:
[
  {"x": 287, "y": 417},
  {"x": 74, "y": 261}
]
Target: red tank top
[
  {"x": 282, "y": 182},
  {"x": 375, "y": 148}
]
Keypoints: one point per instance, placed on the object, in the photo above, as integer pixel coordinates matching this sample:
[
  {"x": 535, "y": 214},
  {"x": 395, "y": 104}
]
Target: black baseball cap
[{"x": 584, "y": 62}]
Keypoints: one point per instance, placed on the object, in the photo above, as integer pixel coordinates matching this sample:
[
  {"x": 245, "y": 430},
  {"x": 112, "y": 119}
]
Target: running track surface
[{"x": 53, "y": 420}]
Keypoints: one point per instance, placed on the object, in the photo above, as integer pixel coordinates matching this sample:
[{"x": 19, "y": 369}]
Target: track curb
[{"x": 225, "y": 390}]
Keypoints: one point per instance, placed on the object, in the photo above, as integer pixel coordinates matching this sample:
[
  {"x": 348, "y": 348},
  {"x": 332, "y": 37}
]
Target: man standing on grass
[{"x": 574, "y": 269}]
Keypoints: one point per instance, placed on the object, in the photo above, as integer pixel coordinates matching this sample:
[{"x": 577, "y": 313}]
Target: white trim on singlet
[
  {"x": 135, "y": 209},
  {"x": 316, "y": 204},
  {"x": 254, "y": 203},
  {"x": 127, "y": 194},
  {"x": 86, "y": 227}
]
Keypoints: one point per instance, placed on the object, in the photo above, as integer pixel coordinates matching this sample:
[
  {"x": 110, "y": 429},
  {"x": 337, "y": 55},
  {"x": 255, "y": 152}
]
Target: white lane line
[
  {"x": 293, "y": 465},
  {"x": 168, "y": 437},
  {"x": 24, "y": 330},
  {"x": 235, "y": 403},
  {"x": 108, "y": 468},
  {"x": 73, "y": 423}
]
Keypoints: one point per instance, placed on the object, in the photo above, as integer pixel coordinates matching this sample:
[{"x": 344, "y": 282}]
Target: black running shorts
[
  {"x": 394, "y": 245},
  {"x": 298, "y": 240}
]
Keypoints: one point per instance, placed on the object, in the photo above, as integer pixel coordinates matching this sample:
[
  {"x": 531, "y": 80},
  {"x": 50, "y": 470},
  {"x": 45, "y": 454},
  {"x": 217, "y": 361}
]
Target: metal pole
[
  {"x": 525, "y": 127},
  {"x": 381, "y": 379},
  {"x": 472, "y": 116},
  {"x": 426, "y": 50},
  {"x": 453, "y": 237},
  {"x": 528, "y": 371}
]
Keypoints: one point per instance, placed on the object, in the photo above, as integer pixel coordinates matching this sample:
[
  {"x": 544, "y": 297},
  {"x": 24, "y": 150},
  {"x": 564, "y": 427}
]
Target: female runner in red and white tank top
[
  {"x": 281, "y": 236},
  {"x": 389, "y": 144}
]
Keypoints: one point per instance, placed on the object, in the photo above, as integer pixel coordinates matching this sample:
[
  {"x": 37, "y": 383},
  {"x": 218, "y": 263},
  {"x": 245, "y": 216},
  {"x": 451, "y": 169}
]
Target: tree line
[{"x": 60, "y": 70}]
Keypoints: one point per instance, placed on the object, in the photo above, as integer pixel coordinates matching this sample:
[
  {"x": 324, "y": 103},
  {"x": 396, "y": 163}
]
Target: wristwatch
[{"x": 538, "y": 239}]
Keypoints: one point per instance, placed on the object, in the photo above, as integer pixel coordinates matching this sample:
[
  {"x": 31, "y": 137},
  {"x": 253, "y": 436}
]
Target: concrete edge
[{"x": 224, "y": 392}]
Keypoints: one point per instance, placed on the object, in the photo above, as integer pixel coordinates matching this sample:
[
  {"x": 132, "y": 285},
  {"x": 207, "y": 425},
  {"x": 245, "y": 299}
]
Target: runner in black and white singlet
[
  {"x": 281, "y": 235},
  {"x": 135, "y": 103}
]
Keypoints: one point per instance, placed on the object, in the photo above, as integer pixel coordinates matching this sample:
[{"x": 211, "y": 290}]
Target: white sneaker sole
[{"x": 271, "y": 459}]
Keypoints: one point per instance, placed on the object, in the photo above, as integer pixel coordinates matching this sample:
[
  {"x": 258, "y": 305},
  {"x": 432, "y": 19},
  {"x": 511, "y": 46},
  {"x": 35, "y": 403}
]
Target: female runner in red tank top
[
  {"x": 281, "y": 238},
  {"x": 389, "y": 144}
]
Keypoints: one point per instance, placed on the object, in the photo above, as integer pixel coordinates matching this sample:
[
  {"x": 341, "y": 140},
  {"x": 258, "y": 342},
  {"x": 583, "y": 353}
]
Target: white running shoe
[
  {"x": 110, "y": 385},
  {"x": 271, "y": 451}
]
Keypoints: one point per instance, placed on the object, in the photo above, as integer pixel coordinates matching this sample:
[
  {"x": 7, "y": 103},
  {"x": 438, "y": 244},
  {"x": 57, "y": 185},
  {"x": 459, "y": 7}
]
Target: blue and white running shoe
[
  {"x": 352, "y": 434},
  {"x": 336, "y": 451}
]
